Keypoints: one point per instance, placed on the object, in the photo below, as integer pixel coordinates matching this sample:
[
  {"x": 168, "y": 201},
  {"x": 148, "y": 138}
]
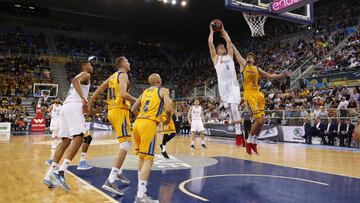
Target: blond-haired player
[{"x": 118, "y": 104}]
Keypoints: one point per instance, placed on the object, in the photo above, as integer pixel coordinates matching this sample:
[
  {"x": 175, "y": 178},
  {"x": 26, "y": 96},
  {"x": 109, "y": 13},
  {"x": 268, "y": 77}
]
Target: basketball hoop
[{"x": 256, "y": 23}]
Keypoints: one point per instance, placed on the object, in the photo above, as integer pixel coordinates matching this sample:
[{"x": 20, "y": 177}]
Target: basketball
[
  {"x": 216, "y": 25},
  {"x": 356, "y": 134}
]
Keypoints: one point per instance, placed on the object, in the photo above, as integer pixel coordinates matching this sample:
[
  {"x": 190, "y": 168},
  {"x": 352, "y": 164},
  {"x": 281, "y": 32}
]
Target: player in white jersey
[
  {"x": 196, "y": 119},
  {"x": 228, "y": 84},
  {"x": 54, "y": 110},
  {"x": 72, "y": 125}
]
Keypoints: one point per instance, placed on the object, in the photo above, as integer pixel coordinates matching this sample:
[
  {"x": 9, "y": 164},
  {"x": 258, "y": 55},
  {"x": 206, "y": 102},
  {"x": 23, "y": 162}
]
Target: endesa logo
[{"x": 280, "y": 5}]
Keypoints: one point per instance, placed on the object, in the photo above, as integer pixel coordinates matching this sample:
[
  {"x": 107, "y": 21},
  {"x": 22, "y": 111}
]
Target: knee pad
[
  {"x": 87, "y": 139},
  {"x": 125, "y": 146}
]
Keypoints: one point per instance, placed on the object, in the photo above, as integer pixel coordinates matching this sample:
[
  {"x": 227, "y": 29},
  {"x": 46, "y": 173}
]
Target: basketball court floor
[{"x": 222, "y": 173}]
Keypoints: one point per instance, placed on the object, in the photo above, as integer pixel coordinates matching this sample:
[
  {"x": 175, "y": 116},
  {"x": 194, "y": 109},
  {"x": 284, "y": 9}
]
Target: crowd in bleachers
[
  {"x": 18, "y": 40},
  {"x": 12, "y": 110},
  {"x": 348, "y": 58},
  {"x": 18, "y": 74}
]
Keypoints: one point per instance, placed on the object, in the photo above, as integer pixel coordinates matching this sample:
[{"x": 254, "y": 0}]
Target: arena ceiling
[{"x": 146, "y": 16}]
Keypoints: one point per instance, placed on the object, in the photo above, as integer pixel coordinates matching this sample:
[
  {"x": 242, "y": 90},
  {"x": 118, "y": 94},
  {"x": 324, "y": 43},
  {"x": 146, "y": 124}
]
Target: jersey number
[
  {"x": 111, "y": 93},
  {"x": 146, "y": 106}
]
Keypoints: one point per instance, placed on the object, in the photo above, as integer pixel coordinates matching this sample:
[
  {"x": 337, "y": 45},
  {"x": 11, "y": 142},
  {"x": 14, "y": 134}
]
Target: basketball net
[{"x": 256, "y": 23}]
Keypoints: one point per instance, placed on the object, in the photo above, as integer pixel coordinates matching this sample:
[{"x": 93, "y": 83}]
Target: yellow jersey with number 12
[
  {"x": 113, "y": 94},
  {"x": 151, "y": 104},
  {"x": 251, "y": 77}
]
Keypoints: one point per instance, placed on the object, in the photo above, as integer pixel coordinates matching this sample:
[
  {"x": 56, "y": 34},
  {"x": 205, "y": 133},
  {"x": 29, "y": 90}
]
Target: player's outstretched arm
[
  {"x": 123, "y": 82},
  {"x": 214, "y": 56},
  {"x": 229, "y": 44},
  {"x": 96, "y": 94},
  {"x": 274, "y": 76},
  {"x": 239, "y": 59},
  {"x": 136, "y": 106},
  {"x": 164, "y": 93}
]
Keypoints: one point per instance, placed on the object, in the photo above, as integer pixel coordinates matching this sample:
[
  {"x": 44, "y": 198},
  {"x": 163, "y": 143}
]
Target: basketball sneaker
[
  {"x": 48, "y": 162},
  {"x": 203, "y": 146},
  {"x": 49, "y": 183},
  {"x": 192, "y": 146},
  {"x": 59, "y": 177},
  {"x": 83, "y": 165},
  {"x": 254, "y": 145},
  {"x": 112, "y": 187},
  {"x": 145, "y": 199},
  {"x": 248, "y": 148},
  {"x": 239, "y": 140},
  {"x": 122, "y": 179}
]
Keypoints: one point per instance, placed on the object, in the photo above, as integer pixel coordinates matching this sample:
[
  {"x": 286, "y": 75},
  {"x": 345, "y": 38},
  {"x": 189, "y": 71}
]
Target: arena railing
[{"x": 293, "y": 117}]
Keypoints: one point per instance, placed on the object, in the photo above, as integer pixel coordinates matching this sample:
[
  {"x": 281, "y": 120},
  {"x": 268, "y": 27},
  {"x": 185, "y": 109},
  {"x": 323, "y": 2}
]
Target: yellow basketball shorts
[
  {"x": 168, "y": 129},
  {"x": 144, "y": 132},
  {"x": 120, "y": 122},
  {"x": 256, "y": 103}
]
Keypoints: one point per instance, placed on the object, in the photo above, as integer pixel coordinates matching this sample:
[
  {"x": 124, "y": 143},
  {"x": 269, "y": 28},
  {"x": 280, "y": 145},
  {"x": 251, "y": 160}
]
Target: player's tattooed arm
[
  {"x": 96, "y": 94},
  {"x": 164, "y": 93},
  {"x": 274, "y": 76},
  {"x": 239, "y": 59},
  {"x": 136, "y": 106},
  {"x": 123, "y": 82},
  {"x": 214, "y": 56}
]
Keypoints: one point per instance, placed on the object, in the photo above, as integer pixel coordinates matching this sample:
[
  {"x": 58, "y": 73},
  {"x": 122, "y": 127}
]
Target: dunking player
[
  {"x": 72, "y": 125},
  {"x": 152, "y": 102},
  {"x": 118, "y": 104},
  {"x": 229, "y": 88},
  {"x": 168, "y": 131},
  {"x": 54, "y": 110},
  {"x": 252, "y": 95},
  {"x": 196, "y": 119}
]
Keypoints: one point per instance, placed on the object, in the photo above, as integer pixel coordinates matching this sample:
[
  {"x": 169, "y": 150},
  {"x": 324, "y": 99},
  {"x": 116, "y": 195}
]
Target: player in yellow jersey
[
  {"x": 253, "y": 97},
  {"x": 118, "y": 104},
  {"x": 151, "y": 104},
  {"x": 168, "y": 131}
]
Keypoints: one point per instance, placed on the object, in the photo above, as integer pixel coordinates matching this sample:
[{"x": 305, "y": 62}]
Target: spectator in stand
[
  {"x": 342, "y": 131},
  {"x": 331, "y": 130},
  {"x": 349, "y": 131},
  {"x": 343, "y": 107}
]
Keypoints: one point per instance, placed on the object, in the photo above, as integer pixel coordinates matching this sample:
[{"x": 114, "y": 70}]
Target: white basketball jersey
[
  {"x": 225, "y": 69},
  {"x": 196, "y": 113},
  {"x": 55, "y": 112},
  {"x": 73, "y": 96}
]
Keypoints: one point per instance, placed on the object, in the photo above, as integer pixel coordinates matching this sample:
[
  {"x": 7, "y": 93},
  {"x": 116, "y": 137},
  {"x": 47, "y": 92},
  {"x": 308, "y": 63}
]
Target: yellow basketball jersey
[
  {"x": 251, "y": 76},
  {"x": 163, "y": 114},
  {"x": 113, "y": 95},
  {"x": 151, "y": 104}
]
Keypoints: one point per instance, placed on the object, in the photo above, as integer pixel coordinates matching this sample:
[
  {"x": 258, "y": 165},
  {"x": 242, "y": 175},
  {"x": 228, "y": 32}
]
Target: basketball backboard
[{"x": 300, "y": 11}]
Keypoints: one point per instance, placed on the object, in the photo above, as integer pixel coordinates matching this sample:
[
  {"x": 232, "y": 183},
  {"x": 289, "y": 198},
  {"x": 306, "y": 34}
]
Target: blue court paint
[{"x": 250, "y": 182}]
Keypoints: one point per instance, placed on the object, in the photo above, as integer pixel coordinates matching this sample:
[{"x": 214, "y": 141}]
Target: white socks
[
  {"x": 163, "y": 148},
  {"x": 65, "y": 165},
  {"x": 52, "y": 168},
  {"x": 252, "y": 139},
  {"x": 113, "y": 174},
  {"x": 120, "y": 171},
  {"x": 141, "y": 188},
  {"x": 192, "y": 142},
  {"x": 82, "y": 156},
  {"x": 203, "y": 142},
  {"x": 238, "y": 129}
]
